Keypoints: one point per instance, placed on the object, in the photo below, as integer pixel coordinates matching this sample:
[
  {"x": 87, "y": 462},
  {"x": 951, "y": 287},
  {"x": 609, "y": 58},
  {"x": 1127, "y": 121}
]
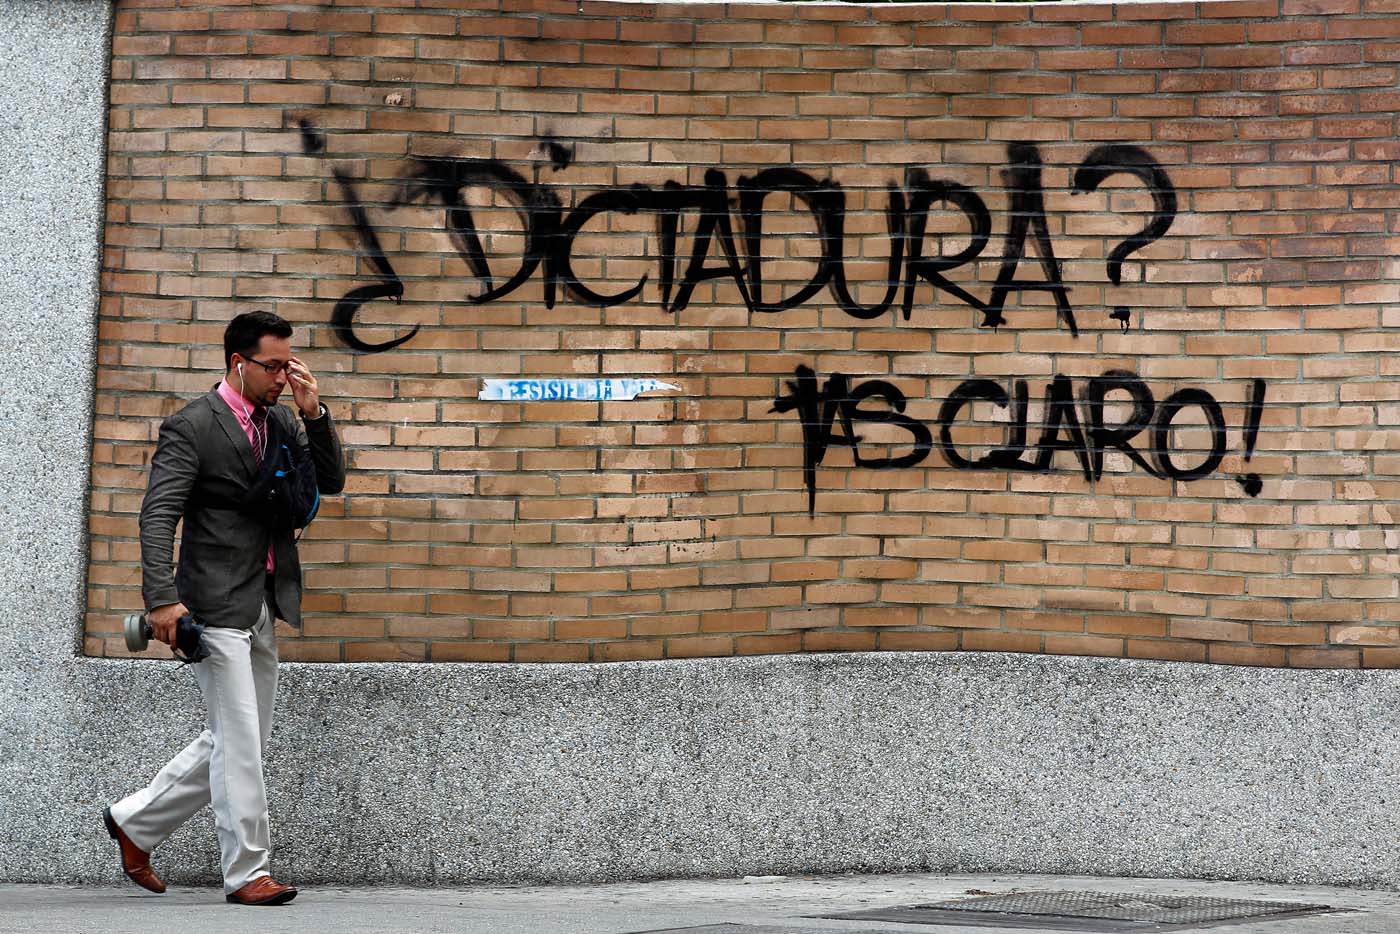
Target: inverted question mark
[{"x": 1134, "y": 160}]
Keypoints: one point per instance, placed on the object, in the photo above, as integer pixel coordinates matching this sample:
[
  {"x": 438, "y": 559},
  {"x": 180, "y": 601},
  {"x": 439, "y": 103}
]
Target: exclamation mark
[{"x": 1252, "y": 416}]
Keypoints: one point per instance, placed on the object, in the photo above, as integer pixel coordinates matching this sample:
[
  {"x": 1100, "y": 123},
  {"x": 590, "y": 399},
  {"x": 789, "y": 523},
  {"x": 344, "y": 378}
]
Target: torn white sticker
[{"x": 571, "y": 390}]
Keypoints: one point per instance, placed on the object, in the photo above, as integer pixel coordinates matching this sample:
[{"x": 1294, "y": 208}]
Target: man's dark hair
[{"x": 245, "y": 331}]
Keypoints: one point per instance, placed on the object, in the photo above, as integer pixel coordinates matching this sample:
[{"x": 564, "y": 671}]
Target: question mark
[{"x": 1134, "y": 160}]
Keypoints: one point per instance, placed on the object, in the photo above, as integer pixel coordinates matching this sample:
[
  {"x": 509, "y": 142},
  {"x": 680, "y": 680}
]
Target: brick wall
[{"x": 1130, "y": 389}]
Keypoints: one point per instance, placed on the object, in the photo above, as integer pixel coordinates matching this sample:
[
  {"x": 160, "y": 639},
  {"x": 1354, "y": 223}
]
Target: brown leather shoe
[
  {"x": 263, "y": 891},
  {"x": 136, "y": 862}
]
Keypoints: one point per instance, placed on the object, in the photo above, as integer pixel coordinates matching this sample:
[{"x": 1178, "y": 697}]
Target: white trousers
[{"x": 223, "y": 766}]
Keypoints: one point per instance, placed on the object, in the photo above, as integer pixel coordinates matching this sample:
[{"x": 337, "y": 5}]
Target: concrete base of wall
[
  {"x": 451, "y": 773},
  {"x": 877, "y": 762}
]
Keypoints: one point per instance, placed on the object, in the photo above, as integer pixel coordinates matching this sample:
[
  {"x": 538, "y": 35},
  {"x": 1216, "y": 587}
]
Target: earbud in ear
[{"x": 240, "y": 369}]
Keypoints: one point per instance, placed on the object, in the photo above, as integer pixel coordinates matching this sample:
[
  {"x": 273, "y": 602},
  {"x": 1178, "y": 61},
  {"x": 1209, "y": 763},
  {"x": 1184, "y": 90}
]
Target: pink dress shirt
[{"x": 244, "y": 413}]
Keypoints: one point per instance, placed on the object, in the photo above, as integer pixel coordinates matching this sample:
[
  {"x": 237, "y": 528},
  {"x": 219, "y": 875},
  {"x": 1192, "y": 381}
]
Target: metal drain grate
[
  {"x": 1158, "y": 909},
  {"x": 1089, "y": 911}
]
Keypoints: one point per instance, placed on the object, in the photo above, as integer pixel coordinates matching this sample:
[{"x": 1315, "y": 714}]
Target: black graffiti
[
  {"x": 729, "y": 228},
  {"x": 1145, "y": 437},
  {"x": 924, "y": 193},
  {"x": 1027, "y": 212},
  {"x": 442, "y": 181},
  {"x": 821, "y": 409},
  {"x": 1254, "y": 414},
  {"x": 727, "y": 244},
  {"x": 1132, "y": 160},
  {"x": 390, "y": 287},
  {"x": 560, "y": 154},
  {"x": 312, "y": 140}
]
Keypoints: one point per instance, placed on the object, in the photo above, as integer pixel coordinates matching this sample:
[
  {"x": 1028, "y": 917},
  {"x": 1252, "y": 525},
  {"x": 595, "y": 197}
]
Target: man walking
[{"x": 238, "y": 572}]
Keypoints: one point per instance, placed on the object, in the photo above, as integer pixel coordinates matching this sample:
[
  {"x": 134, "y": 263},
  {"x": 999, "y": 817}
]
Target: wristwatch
[{"x": 320, "y": 411}]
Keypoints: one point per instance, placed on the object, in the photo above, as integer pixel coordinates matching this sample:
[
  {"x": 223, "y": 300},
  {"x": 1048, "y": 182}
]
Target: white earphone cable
[{"x": 261, "y": 438}]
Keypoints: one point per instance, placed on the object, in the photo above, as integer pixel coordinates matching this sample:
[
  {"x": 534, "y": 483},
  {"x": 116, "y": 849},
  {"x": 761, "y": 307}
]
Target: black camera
[{"x": 189, "y": 637}]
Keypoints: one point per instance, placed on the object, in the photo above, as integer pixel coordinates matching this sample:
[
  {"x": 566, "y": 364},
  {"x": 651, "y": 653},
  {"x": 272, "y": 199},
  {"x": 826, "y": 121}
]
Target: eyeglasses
[{"x": 271, "y": 368}]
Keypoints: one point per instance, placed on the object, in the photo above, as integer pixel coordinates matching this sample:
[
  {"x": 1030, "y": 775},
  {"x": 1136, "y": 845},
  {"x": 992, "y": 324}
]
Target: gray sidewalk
[{"x": 781, "y": 905}]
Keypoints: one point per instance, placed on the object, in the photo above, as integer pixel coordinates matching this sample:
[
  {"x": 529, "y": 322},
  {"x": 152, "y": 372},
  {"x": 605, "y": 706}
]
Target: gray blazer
[{"x": 203, "y": 457}]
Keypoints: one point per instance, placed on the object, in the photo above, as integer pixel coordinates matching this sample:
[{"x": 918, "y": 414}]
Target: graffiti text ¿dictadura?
[{"x": 550, "y": 232}]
